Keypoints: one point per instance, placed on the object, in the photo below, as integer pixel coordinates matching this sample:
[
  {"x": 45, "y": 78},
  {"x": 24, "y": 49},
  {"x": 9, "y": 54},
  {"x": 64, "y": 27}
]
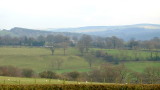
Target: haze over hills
[{"x": 126, "y": 32}]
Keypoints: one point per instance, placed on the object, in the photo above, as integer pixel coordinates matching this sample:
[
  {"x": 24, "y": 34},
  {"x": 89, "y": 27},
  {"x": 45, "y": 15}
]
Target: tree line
[{"x": 84, "y": 42}]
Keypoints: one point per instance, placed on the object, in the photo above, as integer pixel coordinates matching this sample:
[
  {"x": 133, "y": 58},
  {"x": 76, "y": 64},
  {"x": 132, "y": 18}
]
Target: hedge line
[{"x": 82, "y": 87}]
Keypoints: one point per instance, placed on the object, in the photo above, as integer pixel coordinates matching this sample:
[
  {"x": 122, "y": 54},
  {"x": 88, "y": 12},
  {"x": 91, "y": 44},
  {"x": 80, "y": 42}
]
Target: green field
[
  {"x": 40, "y": 59},
  {"x": 127, "y": 54},
  {"x": 141, "y": 65},
  {"x": 18, "y": 80}
]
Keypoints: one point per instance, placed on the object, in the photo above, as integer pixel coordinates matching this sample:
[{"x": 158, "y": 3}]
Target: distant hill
[
  {"x": 28, "y": 32},
  {"x": 126, "y": 32},
  {"x": 17, "y": 31}
]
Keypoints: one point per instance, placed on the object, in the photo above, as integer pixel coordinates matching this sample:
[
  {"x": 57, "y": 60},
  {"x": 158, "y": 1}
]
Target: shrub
[
  {"x": 27, "y": 72},
  {"x": 10, "y": 71},
  {"x": 48, "y": 74},
  {"x": 73, "y": 75}
]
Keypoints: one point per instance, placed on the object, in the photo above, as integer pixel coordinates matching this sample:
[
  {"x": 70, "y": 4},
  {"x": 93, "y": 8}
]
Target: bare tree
[
  {"x": 122, "y": 72},
  {"x": 84, "y": 43},
  {"x": 81, "y": 47},
  {"x": 65, "y": 44},
  {"x": 52, "y": 47},
  {"x": 59, "y": 63},
  {"x": 90, "y": 59},
  {"x": 152, "y": 75}
]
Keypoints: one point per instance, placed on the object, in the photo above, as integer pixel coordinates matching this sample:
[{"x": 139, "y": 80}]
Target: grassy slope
[
  {"x": 140, "y": 66},
  {"x": 127, "y": 54},
  {"x": 40, "y": 59}
]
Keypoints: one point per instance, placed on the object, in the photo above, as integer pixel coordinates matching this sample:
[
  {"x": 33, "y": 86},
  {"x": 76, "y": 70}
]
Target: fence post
[
  {"x": 91, "y": 80},
  {"x": 141, "y": 81},
  {"x": 116, "y": 80},
  {"x": 49, "y": 81},
  {"x": 35, "y": 81},
  {"x": 77, "y": 81},
  {"x": 63, "y": 81},
  {"x": 19, "y": 82},
  {"x": 4, "y": 82},
  {"x": 128, "y": 81}
]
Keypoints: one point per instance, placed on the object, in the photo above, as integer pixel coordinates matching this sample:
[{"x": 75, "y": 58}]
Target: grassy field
[
  {"x": 127, "y": 54},
  {"x": 141, "y": 65},
  {"x": 40, "y": 59},
  {"x": 20, "y": 80}
]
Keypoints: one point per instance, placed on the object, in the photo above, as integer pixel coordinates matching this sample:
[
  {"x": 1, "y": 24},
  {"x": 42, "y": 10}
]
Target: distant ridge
[
  {"x": 18, "y": 31},
  {"x": 126, "y": 32}
]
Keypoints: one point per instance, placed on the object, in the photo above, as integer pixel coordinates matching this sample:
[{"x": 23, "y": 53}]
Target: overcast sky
[{"x": 77, "y": 13}]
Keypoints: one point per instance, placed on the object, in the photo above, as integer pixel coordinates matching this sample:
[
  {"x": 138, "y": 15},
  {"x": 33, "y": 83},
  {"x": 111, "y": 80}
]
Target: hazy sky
[{"x": 76, "y": 13}]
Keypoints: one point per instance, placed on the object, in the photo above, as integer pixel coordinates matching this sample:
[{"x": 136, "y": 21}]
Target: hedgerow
[{"x": 82, "y": 87}]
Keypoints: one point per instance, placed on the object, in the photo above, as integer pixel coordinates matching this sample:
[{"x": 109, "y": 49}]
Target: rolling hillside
[
  {"x": 126, "y": 32},
  {"x": 17, "y": 31}
]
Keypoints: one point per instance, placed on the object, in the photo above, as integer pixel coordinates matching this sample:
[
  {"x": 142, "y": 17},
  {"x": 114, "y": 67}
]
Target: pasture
[{"x": 40, "y": 59}]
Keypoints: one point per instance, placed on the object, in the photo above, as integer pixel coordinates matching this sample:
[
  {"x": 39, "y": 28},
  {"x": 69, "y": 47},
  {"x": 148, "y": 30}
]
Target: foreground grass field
[
  {"x": 40, "y": 59},
  {"x": 20, "y": 80}
]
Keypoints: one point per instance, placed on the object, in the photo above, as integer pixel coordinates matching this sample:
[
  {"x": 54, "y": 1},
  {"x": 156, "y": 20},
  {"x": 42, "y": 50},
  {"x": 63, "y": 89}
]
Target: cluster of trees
[
  {"x": 83, "y": 42},
  {"x": 21, "y": 41},
  {"x": 116, "y": 43}
]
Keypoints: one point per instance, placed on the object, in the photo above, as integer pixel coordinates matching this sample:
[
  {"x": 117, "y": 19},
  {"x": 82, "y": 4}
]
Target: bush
[
  {"x": 48, "y": 74},
  {"x": 27, "y": 72},
  {"x": 10, "y": 71},
  {"x": 73, "y": 75}
]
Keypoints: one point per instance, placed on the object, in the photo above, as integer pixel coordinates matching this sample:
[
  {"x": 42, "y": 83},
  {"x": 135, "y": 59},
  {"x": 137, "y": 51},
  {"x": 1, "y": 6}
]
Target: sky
[{"x": 43, "y": 14}]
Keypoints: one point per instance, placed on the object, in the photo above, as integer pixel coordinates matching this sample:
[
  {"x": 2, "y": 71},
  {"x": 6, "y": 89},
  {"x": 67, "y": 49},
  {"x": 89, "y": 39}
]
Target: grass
[
  {"x": 140, "y": 66},
  {"x": 40, "y": 59},
  {"x": 127, "y": 54},
  {"x": 20, "y": 80}
]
